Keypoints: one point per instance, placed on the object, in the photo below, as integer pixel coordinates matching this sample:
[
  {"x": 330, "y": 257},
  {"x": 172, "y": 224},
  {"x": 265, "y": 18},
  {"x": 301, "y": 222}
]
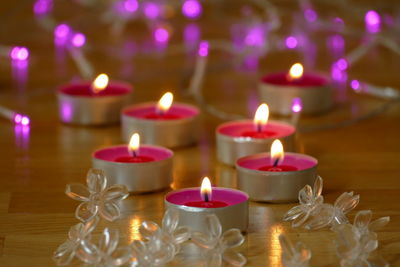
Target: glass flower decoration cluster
[
  {"x": 354, "y": 243},
  {"x": 157, "y": 246}
]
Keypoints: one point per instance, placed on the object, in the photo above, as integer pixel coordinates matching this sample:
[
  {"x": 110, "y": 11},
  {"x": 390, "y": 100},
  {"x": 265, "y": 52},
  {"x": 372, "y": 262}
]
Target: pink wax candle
[
  {"x": 241, "y": 138},
  {"x": 193, "y": 204},
  {"x": 164, "y": 123},
  {"x": 279, "y": 89},
  {"x": 93, "y": 103},
  {"x": 275, "y": 176},
  {"x": 142, "y": 168}
]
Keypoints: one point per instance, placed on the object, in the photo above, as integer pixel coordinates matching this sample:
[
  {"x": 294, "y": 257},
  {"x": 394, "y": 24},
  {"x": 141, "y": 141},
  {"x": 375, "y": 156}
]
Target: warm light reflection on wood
[
  {"x": 274, "y": 246},
  {"x": 134, "y": 224}
]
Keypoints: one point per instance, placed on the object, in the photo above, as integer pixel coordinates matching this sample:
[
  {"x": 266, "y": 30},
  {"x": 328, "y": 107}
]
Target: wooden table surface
[{"x": 36, "y": 164}]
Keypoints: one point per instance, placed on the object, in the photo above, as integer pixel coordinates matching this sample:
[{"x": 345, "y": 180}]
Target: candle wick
[
  {"x": 134, "y": 154},
  {"x": 259, "y": 127},
  {"x": 160, "y": 112},
  {"x": 276, "y": 162},
  {"x": 206, "y": 199}
]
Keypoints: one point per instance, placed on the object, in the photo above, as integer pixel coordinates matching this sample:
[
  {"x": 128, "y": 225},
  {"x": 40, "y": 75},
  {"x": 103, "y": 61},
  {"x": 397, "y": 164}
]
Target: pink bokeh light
[
  {"x": 291, "y": 42},
  {"x": 19, "y": 53},
  {"x": 78, "y": 40},
  {"x": 203, "y": 49},
  {"x": 192, "y": 9},
  {"x": 372, "y": 21},
  {"x": 161, "y": 35},
  {"x": 297, "y": 105}
]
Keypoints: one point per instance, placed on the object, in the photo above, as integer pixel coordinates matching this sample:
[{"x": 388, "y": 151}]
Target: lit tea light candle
[
  {"x": 164, "y": 123},
  {"x": 279, "y": 89},
  {"x": 142, "y": 168},
  {"x": 241, "y": 138},
  {"x": 275, "y": 176},
  {"x": 193, "y": 204},
  {"x": 93, "y": 103}
]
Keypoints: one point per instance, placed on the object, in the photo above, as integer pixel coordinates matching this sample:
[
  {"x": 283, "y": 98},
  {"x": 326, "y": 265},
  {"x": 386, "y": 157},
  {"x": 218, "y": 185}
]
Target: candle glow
[
  {"x": 206, "y": 189},
  {"x": 277, "y": 153},
  {"x": 261, "y": 116},
  {"x": 100, "y": 83},
  {"x": 134, "y": 144},
  {"x": 165, "y": 103},
  {"x": 296, "y": 71}
]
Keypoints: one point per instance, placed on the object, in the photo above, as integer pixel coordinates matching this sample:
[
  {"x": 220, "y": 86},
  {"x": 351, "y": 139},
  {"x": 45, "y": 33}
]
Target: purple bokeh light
[
  {"x": 342, "y": 64},
  {"x": 78, "y": 40},
  {"x": 336, "y": 43},
  {"x": 19, "y": 53},
  {"x": 338, "y": 74},
  {"x": 297, "y": 105},
  {"x": 355, "y": 85},
  {"x": 310, "y": 15},
  {"x": 191, "y": 33},
  {"x": 255, "y": 36},
  {"x": 291, "y": 42},
  {"x": 21, "y": 119},
  {"x": 161, "y": 35},
  {"x": 131, "y": 5},
  {"x": 372, "y": 21},
  {"x": 62, "y": 31},
  {"x": 151, "y": 10},
  {"x": 203, "y": 49},
  {"x": 192, "y": 9},
  {"x": 42, "y": 7}
]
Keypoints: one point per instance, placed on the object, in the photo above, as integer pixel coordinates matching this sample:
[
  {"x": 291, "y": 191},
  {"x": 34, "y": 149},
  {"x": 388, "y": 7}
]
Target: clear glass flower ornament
[
  {"x": 294, "y": 256},
  {"x": 97, "y": 198},
  {"x": 310, "y": 200},
  {"x": 162, "y": 243},
  {"x": 107, "y": 253},
  {"x": 217, "y": 245},
  {"x": 356, "y": 242},
  {"x": 78, "y": 244},
  {"x": 334, "y": 215}
]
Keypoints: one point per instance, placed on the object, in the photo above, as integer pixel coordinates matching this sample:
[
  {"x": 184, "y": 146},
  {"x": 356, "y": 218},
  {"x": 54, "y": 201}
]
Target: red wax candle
[
  {"x": 84, "y": 89},
  {"x": 136, "y": 159},
  {"x": 306, "y": 81},
  {"x": 208, "y": 204},
  {"x": 166, "y": 116},
  {"x": 279, "y": 168}
]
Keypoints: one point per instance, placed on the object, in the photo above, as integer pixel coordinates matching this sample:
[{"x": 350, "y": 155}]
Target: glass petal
[
  {"x": 77, "y": 192},
  {"x": 305, "y": 195},
  {"x": 203, "y": 240},
  {"x": 301, "y": 219},
  {"x": 318, "y": 184},
  {"x": 303, "y": 252},
  {"x": 96, "y": 180},
  {"x": 109, "y": 211},
  {"x": 115, "y": 192},
  {"x": 86, "y": 211},
  {"x": 287, "y": 247},
  {"x": 164, "y": 255},
  {"x": 121, "y": 256},
  {"x": 109, "y": 240},
  {"x": 232, "y": 238},
  {"x": 362, "y": 219},
  {"x": 149, "y": 229},
  {"x": 64, "y": 253},
  {"x": 346, "y": 202},
  {"x": 181, "y": 234},
  {"x": 214, "y": 259},
  {"x": 88, "y": 252},
  {"x": 90, "y": 225},
  {"x": 371, "y": 246},
  {"x": 379, "y": 223},
  {"x": 75, "y": 232},
  {"x": 170, "y": 220},
  {"x": 214, "y": 226},
  {"x": 139, "y": 249},
  {"x": 234, "y": 258},
  {"x": 322, "y": 219},
  {"x": 346, "y": 241},
  {"x": 293, "y": 213}
]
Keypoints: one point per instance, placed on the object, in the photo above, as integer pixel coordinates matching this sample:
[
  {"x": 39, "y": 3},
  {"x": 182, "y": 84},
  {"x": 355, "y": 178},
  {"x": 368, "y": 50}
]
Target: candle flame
[
  {"x": 206, "y": 189},
  {"x": 134, "y": 143},
  {"x": 261, "y": 116},
  {"x": 100, "y": 83},
  {"x": 165, "y": 102},
  {"x": 277, "y": 153},
  {"x": 296, "y": 71}
]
